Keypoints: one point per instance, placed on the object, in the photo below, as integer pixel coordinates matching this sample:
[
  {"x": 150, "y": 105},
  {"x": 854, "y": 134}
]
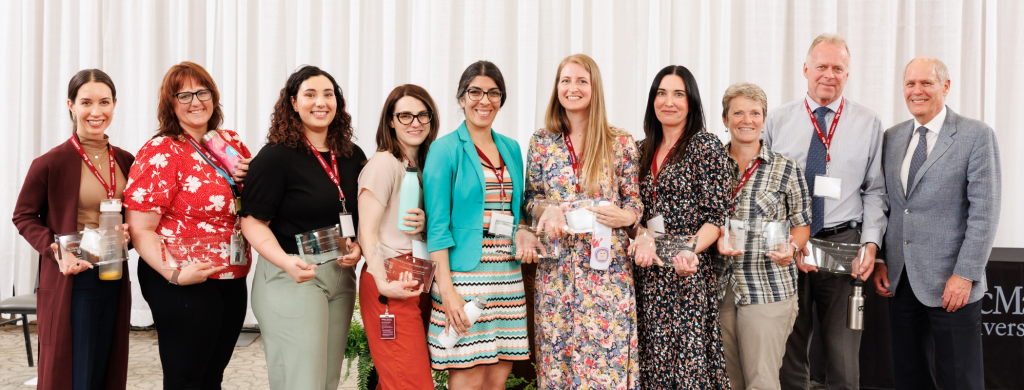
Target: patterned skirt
[{"x": 500, "y": 332}]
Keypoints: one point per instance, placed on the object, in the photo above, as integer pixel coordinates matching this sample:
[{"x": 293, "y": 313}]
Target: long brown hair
[
  {"x": 387, "y": 140},
  {"x": 286, "y": 124},
  {"x": 84, "y": 77},
  {"x": 652, "y": 126},
  {"x": 175, "y": 78},
  {"x": 597, "y": 150}
]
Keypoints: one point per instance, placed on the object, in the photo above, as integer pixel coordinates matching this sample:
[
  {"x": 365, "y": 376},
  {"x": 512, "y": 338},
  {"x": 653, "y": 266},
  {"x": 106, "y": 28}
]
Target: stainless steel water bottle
[{"x": 855, "y": 306}]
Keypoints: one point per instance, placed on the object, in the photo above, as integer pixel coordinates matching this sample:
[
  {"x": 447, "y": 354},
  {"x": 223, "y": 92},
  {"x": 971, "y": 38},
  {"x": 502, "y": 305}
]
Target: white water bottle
[
  {"x": 448, "y": 337},
  {"x": 601, "y": 247}
]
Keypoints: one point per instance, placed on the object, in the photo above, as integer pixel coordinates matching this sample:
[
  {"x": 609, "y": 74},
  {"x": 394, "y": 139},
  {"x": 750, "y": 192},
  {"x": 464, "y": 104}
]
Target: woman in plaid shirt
[{"x": 757, "y": 286}]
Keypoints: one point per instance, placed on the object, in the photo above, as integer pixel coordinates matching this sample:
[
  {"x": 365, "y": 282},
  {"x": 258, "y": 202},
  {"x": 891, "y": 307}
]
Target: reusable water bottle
[
  {"x": 601, "y": 247},
  {"x": 855, "y": 306},
  {"x": 473, "y": 309},
  {"x": 110, "y": 216},
  {"x": 409, "y": 197},
  {"x": 220, "y": 149}
]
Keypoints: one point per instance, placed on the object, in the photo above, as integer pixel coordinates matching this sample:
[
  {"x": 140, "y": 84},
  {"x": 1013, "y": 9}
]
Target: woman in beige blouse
[{"x": 406, "y": 129}]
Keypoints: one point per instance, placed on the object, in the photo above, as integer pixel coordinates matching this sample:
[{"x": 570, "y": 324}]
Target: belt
[{"x": 831, "y": 231}]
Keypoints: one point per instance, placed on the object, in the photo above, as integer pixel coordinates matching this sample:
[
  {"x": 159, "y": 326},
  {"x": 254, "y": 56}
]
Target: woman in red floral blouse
[{"x": 173, "y": 191}]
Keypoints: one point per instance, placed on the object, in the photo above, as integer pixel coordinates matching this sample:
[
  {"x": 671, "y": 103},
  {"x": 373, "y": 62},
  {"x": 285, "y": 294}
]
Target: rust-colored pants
[{"x": 402, "y": 363}]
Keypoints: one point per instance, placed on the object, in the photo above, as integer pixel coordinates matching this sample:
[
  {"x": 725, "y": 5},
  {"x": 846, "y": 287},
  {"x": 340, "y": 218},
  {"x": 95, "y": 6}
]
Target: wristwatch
[{"x": 174, "y": 277}]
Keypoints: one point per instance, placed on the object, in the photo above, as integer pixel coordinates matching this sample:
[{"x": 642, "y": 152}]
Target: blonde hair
[
  {"x": 597, "y": 150},
  {"x": 748, "y": 90},
  {"x": 832, "y": 38}
]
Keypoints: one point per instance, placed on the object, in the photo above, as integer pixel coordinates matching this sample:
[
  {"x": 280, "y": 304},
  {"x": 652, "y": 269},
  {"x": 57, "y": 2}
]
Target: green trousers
[{"x": 304, "y": 325}]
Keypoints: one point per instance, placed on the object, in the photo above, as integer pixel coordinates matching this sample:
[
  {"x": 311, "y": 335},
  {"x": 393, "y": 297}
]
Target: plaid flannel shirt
[{"x": 777, "y": 191}]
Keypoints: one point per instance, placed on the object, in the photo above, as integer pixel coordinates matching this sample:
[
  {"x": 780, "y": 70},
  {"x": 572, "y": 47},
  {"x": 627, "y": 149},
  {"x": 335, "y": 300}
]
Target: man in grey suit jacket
[{"x": 943, "y": 180}]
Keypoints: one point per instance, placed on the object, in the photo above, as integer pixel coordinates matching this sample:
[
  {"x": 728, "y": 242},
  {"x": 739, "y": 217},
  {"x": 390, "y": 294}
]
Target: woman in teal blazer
[{"x": 471, "y": 176}]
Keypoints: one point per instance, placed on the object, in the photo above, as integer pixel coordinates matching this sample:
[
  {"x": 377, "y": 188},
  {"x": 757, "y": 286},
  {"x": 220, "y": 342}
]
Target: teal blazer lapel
[
  {"x": 470, "y": 149},
  {"x": 942, "y": 144}
]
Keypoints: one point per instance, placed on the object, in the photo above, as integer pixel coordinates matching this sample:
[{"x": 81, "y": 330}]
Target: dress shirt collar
[
  {"x": 834, "y": 106},
  {"x": 763, "y": 153},
  {"x": 934, "y": 125}
]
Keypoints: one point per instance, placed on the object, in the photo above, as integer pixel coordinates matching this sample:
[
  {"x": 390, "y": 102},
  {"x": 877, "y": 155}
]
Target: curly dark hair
[{"x": 286, "y": 125}]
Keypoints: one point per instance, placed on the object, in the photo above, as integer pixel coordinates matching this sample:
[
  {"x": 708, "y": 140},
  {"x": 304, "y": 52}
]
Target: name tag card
[{"x": 828, "y": 187}]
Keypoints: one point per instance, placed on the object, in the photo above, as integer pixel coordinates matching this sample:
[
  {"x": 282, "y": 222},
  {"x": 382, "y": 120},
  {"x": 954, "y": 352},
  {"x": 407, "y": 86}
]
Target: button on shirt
[
  {"x": 777, "y": 191},
  {"x": 934, "y": 127},
  {"x": 856, "y": 154}
]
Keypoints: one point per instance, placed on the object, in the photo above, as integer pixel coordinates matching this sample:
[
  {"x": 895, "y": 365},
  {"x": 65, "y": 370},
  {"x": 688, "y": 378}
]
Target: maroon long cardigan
[{"x": 48, "y": 204}]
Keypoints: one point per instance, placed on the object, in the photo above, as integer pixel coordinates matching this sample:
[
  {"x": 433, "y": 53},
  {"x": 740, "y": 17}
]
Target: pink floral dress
[
  {"x": 585, "y": 318},
  {"x": 172, "y": 179}
]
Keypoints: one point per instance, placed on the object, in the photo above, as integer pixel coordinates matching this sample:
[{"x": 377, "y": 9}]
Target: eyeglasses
[
  {"x": 476, "y": 95},
  {"x": 406, "y": 117},
  {"x": 186, "y": 97}
]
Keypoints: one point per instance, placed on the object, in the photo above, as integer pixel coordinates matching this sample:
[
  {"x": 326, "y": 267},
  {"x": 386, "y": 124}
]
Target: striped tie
[
  {"x": 816, "y": 167},
  {"x": 920, "y": 154}
]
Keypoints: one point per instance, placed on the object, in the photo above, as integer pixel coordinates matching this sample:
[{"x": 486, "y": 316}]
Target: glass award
[
  {"x": 776, "y": 236},
  {"x": 95, "y": 246},
  {"x": 579, "y": 219},
  {"x": 321, "y": 246},
  {"x": 529, "y": 239},
  {"x": 404, "y": 266},
  {"x": 670, "y": 246},
  {"x": 540, "y": 205},
  {"x": 179, "y": 252},
  {"x": 736, "y": 234},
  {"x": 836, "y": 257}
]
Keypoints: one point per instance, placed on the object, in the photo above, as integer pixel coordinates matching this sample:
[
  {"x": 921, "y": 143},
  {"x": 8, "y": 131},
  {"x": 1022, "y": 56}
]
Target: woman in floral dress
[
  {"x": 586, "y": 318},
  {"x": 684, "y": 177}
]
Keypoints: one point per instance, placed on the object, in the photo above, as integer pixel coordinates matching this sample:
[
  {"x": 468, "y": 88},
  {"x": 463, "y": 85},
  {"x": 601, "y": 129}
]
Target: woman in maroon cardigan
[{"x": 83, "y": 321}]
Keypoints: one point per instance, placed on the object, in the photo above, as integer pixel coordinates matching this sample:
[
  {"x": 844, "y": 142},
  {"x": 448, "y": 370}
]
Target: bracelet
[
  {"x": 961, "y": 277},
  {"x": 796, "y": 249},
  {"x": 174, "y": 277}
]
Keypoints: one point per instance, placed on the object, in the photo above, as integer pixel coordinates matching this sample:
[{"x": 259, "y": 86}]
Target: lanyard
[
  {"x": 215, "y": 165},
  {"x": 577, "y": 165},
  {"x": 743, "y": 180},
  {"x": 831, "y": 131},
  {"x": 655, "y": 170},
  {"x": 333, "y": 174},
  {"x": 110, "y": 153},
  {"x": 499, "y": 172}
]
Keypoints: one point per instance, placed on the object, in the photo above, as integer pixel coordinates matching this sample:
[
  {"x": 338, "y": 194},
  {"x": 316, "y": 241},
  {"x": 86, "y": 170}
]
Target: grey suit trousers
[{"x": 827, "y": 293}]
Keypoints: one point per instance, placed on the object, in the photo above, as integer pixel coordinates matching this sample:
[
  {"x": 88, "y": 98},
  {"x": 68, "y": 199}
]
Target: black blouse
[{"x": 289, "y": 188}]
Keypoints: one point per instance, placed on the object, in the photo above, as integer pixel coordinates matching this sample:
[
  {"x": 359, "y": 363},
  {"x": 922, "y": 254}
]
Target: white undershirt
[{"x": 933, "y": 126}]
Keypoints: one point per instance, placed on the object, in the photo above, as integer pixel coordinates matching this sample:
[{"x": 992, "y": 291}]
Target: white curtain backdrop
[{"x": 371, "y": 46}]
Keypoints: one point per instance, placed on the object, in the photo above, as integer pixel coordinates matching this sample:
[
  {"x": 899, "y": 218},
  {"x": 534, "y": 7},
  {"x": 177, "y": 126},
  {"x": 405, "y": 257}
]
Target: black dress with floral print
[{"x": 680, "y": 339}]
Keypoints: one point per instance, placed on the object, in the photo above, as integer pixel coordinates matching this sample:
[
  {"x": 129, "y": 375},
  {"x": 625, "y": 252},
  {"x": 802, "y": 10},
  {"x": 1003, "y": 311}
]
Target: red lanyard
[
  {"x": 743, "y": 180},
  {"x": 334, "y": 164},
  {"x": 655, "y": 170},
  {"x": 112, "y": 187},
  {"x": 499, "y": 172},
  {"x": 831, "y": 131},
  {"x": 577, "y": 165}
]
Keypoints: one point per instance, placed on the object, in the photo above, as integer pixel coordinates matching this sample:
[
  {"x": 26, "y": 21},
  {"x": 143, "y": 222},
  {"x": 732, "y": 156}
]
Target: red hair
[{"x": 176, "y": 77}]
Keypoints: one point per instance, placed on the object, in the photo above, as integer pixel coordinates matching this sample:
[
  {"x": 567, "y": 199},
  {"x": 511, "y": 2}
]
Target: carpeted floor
[{"x": 247, "y": 370}]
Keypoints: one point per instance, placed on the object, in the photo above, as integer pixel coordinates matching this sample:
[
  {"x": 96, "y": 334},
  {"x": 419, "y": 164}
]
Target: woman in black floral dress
[{"x": 684, "y": 178}]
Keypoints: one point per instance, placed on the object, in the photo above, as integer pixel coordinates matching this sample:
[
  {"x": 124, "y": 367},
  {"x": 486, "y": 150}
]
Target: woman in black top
[{"x": 304, "y": 310}]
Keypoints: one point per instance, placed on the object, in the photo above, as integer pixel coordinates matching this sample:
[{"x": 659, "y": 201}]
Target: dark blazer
[
  {"x": 945, "y": 222},
  {"x": 48, "y": 204}
]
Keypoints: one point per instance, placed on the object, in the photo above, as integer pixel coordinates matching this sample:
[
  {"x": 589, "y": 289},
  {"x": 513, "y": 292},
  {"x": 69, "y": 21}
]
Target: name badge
[
  {"x": 348, "y": 229},
  {"x": 419, "y": 250},
  {"x": 501, "y": 224},
  {"x": 238, "y": 249},
  {"x": 387, "y": 327},
  {"x": 656, "y": 225},
  {"x": 828, "y": 187}
]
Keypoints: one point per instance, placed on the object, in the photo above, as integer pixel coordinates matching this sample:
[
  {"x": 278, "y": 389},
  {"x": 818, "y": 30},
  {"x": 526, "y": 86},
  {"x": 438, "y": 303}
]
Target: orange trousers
[{"x": 402, "y": 363}]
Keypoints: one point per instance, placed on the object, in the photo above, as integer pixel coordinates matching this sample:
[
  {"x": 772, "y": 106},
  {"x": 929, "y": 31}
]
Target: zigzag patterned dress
[{"x": 500, "y": 333}]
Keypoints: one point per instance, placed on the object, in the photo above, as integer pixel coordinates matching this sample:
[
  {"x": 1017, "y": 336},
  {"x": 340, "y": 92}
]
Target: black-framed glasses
[
  {"x": 475, "y": 94},
  {"x": 186, "y": 97},
  {"x": 406, "y": 117}
]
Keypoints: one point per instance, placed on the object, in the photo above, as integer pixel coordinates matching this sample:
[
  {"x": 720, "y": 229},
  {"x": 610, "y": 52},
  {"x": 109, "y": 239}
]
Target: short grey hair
[
  {"x": 832, "y": 38},
  {"x": 940, "y": 68},
  {"x": 748, "y": 90}
]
